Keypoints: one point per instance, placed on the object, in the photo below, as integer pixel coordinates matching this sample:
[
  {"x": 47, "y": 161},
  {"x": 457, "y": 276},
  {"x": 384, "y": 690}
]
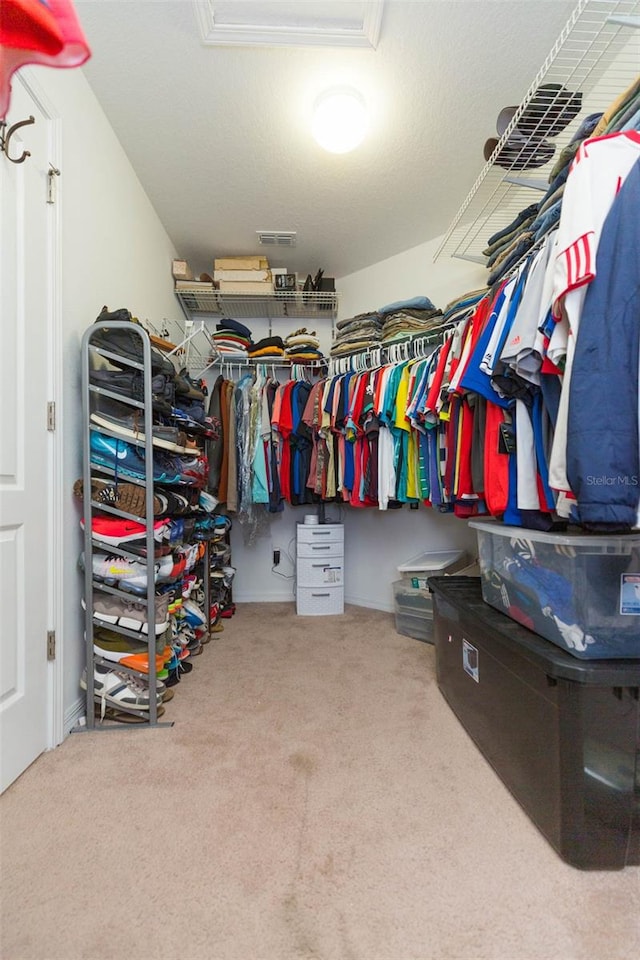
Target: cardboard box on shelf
[
  {"x": 255, "y": 276},
  {"x": 232, "y": 286},
  {"x": 202, "y": 285},
  {"x": 181, "y": 270},
  {"x": 241, "y": 263}
]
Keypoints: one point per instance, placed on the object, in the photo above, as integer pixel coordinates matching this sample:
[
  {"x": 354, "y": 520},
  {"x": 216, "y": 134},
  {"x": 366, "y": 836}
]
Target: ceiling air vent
[{"x": 277, "y": 238}]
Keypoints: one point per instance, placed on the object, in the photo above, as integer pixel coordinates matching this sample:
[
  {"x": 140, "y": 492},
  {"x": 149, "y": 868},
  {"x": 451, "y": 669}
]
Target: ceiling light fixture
[{"x": 340, "y": 120}]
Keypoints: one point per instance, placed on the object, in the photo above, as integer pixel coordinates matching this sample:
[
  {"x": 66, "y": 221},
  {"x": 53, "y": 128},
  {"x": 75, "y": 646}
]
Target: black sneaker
[
  {"x": 107, "y": 316},
  {"x": 127, "y": 343},
  {"x": 130, "y": 383}
]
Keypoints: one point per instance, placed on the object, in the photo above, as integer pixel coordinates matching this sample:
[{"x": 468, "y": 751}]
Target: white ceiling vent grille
[{"x": 277, "y": 238}]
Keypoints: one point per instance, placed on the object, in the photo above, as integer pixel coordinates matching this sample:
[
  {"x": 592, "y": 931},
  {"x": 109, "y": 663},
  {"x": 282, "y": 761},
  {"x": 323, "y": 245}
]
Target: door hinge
[
  {"x": 51, "y": 644},
  {"x": 51, "y": 415},
  {"x": 51, "y": 183}
]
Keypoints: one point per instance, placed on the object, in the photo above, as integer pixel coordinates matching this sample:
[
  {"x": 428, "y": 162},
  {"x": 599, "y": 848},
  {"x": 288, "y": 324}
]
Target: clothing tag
[{"x": 507, "y": 440}]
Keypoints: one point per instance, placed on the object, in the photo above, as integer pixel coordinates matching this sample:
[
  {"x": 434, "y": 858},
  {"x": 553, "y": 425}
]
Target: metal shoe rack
[{"x": 90, "y": 392}]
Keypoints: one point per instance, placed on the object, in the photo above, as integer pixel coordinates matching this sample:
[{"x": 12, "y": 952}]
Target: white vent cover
[{"x": 277, "y": 238}]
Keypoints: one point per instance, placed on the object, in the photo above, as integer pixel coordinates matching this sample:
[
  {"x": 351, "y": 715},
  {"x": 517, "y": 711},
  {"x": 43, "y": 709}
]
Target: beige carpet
[{"x": 315, "y": 800}]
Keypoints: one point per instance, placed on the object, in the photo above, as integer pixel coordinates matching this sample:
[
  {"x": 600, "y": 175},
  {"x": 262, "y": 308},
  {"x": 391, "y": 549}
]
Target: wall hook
[{"x": 5, "y": 138}]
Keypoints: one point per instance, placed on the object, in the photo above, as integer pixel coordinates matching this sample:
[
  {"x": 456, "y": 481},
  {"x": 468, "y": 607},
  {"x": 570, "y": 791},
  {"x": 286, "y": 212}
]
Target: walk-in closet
[{"x": 320, "y": 496}]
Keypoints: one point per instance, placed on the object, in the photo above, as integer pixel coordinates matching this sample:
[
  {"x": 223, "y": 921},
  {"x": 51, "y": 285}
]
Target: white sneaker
[{"x": 118, "y": 689}]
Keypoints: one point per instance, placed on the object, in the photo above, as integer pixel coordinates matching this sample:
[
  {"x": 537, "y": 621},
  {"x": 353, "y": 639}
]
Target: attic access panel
[{"x": 339, "y": 23}]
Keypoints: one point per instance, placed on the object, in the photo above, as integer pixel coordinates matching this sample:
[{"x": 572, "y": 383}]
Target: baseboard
[
  {"x": 386, "y": 607},
  {"x": 73, "y": 713},
  {"x": 251, "y": 597}
]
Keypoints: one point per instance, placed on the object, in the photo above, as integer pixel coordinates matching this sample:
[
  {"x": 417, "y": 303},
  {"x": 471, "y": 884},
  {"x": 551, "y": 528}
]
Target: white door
[{"x": 25, "y": 262}]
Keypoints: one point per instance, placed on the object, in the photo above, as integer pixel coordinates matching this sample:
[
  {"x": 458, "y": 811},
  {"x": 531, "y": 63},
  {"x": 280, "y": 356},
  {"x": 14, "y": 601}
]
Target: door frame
[{"x": 55, "y": 451}]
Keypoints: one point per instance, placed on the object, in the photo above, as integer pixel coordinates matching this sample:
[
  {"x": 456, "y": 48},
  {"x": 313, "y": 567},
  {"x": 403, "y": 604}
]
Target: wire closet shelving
[{"x": 597, "y": 55}]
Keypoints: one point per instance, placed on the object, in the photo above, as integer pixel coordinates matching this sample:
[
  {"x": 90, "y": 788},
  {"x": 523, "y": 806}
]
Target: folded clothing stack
[
  {"x": 267, "y": 347},
  {"x": 409, "y": 318},
  {"x": 357, "y": 333},
  {"x": 302, "y": 345},
  {"x": 232, "y": 338},
  {"x": 463, "y": 305}
]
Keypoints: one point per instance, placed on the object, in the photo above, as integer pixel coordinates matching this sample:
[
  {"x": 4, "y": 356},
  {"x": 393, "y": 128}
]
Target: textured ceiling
[{"x": 219, "y": 135}]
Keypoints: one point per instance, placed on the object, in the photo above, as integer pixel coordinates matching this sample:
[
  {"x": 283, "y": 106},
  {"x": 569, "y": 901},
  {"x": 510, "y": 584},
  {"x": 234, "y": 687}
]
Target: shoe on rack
[
  {"x": 125, "y": 459},
  {"x": 190, "y": 409},
  {"x": 115, "y": 647},
  {"x": 119, "y": 716},
  {"x": 130, "y": 383},
  {"x": 184, "y": 420},
  {"x": 171, "y": 569},
  {"x": 131, "y": 427},
  {"x": 140, "y": 662},
  {"x": 118, "y": 689},
  {"x": 126, "y": 342},
  {"x": 122, "y": 315},
  {"x": 128, "y": 614},
  {"x": 128, "y": 497},
  {"x": 189, "y": 389},
  {"x": 111, "y": 568},
  {"x": 115, "y": 530},
  {"x": 190, "y": 584},
  {"x": 207, "y": 501},
  {"x": 172, "y": 505},
  {"x": 193, "y": 614},
  {"x": 189, "y": 471},
  {"x": 174, "y": 531}
]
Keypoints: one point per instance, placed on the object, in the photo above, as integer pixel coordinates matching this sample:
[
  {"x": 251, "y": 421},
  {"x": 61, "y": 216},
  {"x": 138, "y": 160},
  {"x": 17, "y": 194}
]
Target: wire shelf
[
  {"x": 203, "y": 298},
  {"x": 597, "y": 55}
]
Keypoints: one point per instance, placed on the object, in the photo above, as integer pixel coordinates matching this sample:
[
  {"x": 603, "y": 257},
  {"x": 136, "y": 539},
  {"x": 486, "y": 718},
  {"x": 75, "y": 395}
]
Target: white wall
[
  {"x": 376, "y": 542},
  {"x": 115, "y": 252}
]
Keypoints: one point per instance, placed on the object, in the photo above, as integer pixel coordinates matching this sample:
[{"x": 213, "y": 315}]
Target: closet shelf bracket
[{"x": 541, "y": 185}]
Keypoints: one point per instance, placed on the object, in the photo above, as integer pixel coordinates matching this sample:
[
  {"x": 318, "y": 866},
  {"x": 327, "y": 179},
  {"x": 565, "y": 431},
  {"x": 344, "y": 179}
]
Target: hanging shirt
[{"x": 597, "y": 173}]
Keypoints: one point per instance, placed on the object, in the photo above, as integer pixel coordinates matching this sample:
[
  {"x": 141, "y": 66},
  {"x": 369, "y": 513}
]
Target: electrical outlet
[{"x": 276, "y": 557}]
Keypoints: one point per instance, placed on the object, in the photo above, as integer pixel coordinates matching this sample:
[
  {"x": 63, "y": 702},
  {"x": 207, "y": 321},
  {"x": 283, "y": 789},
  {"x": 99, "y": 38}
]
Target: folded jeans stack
[{"x": 357, "y": 333}]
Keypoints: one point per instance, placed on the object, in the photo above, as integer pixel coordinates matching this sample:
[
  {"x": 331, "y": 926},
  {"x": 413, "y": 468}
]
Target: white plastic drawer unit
[
  {"x": 324, "y": 572},
  {"x": 320, "y": 533},
  {"x": 319, "y": 542},
  {"x": 328, "y": 549},
  {"x": 319, "y": 601},
  {"x": 320, "y": 569}
]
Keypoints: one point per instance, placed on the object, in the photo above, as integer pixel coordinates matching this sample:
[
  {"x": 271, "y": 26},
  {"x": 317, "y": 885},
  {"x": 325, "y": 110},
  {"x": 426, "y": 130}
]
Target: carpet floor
[{"x": 316, "y": 799}]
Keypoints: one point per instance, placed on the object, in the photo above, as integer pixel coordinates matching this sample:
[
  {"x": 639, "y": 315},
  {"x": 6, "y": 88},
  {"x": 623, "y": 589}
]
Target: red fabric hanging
[{"x": 46, "y": 32}]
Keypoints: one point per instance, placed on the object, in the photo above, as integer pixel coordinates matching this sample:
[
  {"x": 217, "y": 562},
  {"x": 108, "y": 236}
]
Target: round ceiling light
[{"x": 339, "y": 120}]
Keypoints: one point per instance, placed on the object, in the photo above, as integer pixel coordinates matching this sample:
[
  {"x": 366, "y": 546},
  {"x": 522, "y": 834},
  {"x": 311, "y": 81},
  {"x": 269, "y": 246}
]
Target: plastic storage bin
[
  {"x": 561, "y": 733},
  {"x": 414, "y": 611},
  {"x": 426, "y": 565},
  {"x": 580, "y": 592},
  {"x": 412, "y": 599}
]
